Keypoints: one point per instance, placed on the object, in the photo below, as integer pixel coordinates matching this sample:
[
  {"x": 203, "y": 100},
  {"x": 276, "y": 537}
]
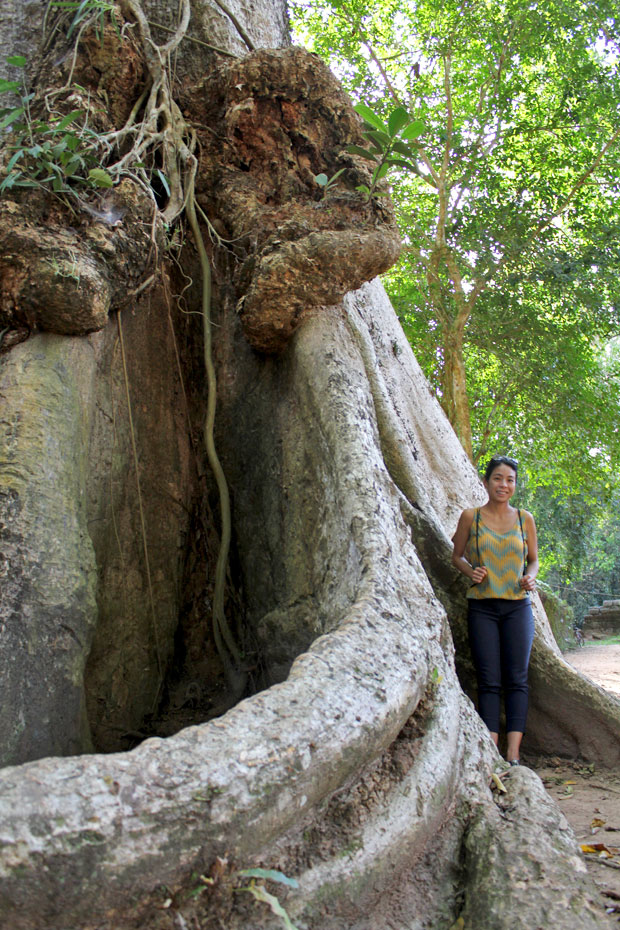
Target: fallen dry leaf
[
  {"x": 498, "y": 783},
  {"x": 599, "y": 849}
]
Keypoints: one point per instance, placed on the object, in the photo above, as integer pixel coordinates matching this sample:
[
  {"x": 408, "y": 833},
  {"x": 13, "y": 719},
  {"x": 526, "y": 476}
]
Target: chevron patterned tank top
[{"x": 504, "y": 557}]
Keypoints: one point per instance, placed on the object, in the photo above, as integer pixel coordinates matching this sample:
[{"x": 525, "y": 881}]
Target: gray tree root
[
  {"x": 366, "y": 772},
  {"x": 47, "y": 566},
  {"x": 569, "y": 715}
]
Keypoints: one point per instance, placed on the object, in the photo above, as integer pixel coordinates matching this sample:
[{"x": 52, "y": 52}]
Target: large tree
[
  {"x": 509, "y": 204},
  {"x": 361, "y": 767}
]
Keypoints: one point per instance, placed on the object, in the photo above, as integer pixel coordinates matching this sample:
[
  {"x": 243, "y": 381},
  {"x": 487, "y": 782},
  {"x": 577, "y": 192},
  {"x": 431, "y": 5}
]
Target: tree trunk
[
  {"x": 361, "y": 768},
  {"x": 454, "y": 397}
]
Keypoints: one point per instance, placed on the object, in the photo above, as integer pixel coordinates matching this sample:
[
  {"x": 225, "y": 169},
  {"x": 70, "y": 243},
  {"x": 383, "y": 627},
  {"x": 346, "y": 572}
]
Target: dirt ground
[
  {"x": 590, "y": 799},
  {"x": 600, "y": 663}
]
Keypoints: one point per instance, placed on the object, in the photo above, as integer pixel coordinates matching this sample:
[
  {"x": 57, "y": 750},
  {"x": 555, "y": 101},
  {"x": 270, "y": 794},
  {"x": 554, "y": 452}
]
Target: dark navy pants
[{"x": 500, "y": 636}]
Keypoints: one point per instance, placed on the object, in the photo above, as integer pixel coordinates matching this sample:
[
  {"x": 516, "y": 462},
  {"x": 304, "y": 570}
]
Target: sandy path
[
  {"x": 600, "y": 663},
  {"x": 589, "y": 799}
]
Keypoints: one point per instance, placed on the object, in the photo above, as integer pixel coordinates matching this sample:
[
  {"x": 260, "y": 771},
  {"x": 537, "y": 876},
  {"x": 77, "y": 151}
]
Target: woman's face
[{"x": 501, "y": 484}]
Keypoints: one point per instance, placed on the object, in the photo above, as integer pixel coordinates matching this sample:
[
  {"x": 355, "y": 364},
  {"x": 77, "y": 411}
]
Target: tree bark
[
  {"x": 363, "y": 769},
  {"x": 454, "y": 397}
]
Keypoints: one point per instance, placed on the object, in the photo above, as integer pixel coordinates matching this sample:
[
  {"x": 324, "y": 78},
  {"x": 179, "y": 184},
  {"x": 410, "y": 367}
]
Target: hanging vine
[
  {"x": 163, "y": 127},
  {"x": 156, "y": 143}
]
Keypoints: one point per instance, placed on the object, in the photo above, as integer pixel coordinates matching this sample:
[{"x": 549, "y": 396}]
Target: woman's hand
[
  {"x": 479, "y": 574},
  {"x": 527, "y": 583}
]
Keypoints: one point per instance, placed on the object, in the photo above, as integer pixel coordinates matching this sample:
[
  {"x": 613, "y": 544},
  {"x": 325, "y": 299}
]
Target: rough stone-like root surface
[
  {"x": 522, "y": 858},
  {"x": 64, "y": 274},
  {"x": 368, "y": 744},
  {"x": 277, "y": 119},
  {"x": 316, "y": 269},
  {"x": 569, "y": 715},
  {"x": 569, "y": 712},
  {"x": 47, "y": 568},
  {"x": 131, "y": 822},
  {"x": 103, "y": 78},
  {"x": 374, "y": 838}
]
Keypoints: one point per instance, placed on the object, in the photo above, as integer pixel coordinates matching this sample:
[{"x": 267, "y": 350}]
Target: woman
[{"x": 496, "y": 547}]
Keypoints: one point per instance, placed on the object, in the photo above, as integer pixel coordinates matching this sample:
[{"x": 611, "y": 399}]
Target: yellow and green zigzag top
[{"x": 504, "y": 557}]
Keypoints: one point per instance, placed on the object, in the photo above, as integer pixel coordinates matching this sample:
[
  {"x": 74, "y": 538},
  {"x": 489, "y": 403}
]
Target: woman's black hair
[{"x": 498, "y": 460}]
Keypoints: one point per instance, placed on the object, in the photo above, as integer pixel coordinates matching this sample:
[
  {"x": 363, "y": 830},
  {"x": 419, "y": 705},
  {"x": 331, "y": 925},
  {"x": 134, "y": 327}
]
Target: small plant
[
  {"x": 391, "y": 144},
  {"x": 86, "y": 12},
  {"x": 66, "y": 269},
  {"x": 57, "y": 155},
  {"x": 436, "y": 678},
  {"x": 260, "y": 893},
  {"x": 327, "y": 183}
]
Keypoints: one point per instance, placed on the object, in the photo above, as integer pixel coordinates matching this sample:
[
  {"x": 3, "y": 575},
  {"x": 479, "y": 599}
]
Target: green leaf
[
  {"x": 10, "y": 180},
  {"x": 358, "y": 150},
  {"x": 12, "y": 116},
  {"x": 59, "y": 148},
  {"x": 8, "y": 87},
  {"x": 18, "y": 61},
  {"x": 381, "y": 138},
  {"x": 272, "y": 874},
  {"x": 370, "y": 116},
  {"x": 413, "y": 130},
  {"x": 321, "y": 179},
  {"x": 164, "y": 180},
  {"x": 380, "y": 172},
  {"x": 67, "y": 120},
  {"x": 397, "y": 119},
  {"x": 15, "y": 158},
  {"x": 261, "y": 894},
  {"x": 73, "y": 166},
  {"x": 398, "y": 162},
  {"x": 100, "y": 178},
  {"x": 404, "y": 149},
  {"x": 379, "y": 147}
]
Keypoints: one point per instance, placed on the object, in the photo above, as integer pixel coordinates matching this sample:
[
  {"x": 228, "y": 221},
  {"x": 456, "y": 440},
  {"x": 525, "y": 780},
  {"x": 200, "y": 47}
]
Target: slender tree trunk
[{"x": 454, "y": 397}]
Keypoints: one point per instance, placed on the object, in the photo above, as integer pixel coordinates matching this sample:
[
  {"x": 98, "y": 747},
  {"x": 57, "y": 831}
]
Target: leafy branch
[
  {"x": 56, "y": 155},
  {"x": 390, "y": 145}
]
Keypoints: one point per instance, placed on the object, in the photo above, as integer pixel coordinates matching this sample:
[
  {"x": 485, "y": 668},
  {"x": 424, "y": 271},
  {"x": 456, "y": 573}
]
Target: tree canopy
[{"x": 508, "y": 287}]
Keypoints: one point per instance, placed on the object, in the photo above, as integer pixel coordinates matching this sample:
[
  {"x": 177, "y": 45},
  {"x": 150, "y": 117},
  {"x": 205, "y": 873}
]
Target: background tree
[{"x": 510, "y": 252}]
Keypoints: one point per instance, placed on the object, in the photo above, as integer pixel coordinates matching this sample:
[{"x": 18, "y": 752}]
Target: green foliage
[
  {"x": 273, "y": 875},
  {"x": 580, "y": 547},
  {"x": 327, "y": 183},
  {"x": 391, "y": 144},
  {"x": 508, "y": 218},
  {"x": 59, "y": 155},
  {"x": 87, "y": 12},
  {"x": 260, "y": 893}
]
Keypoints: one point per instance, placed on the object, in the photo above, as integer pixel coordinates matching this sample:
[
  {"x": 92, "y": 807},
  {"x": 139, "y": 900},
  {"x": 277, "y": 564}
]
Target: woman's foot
[{"x": 514, "y": 762}]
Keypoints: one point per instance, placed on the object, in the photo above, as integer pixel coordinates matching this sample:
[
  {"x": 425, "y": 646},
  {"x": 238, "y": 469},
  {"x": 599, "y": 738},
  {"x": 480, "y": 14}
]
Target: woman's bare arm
[
  {"x": 460, "y": 543},
  {"x": 528, "y": 581}
]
